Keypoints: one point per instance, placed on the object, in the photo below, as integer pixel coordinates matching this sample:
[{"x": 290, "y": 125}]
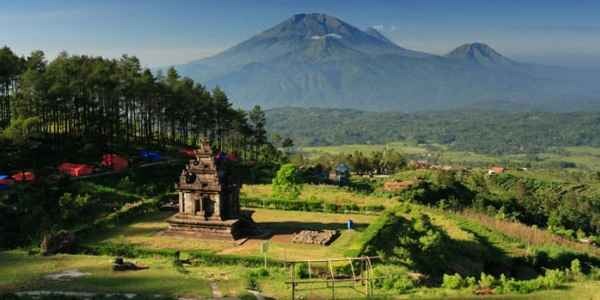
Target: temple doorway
[{"x": 209, "y": 206}]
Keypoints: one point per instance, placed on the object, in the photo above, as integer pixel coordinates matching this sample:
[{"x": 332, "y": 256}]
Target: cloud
[
  {"x": 385, "y": 28},
  {"x": 332, "y": 35}
]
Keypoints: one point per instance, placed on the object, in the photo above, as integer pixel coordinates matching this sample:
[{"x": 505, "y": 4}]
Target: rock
[
  {"x": 60, "y": 242},
  {"x": 121, "y": 265},
  {"x": 318, "y": 237}
]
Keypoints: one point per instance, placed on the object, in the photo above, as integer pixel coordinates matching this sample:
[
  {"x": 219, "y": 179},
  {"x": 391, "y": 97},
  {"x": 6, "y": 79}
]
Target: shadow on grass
[{"x": 494, "y": 259}]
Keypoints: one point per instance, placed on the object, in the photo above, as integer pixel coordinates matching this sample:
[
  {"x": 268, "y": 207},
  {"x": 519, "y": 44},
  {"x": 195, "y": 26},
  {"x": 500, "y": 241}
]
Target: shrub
[
  {"x": 393, "y": 278},
  {"x": 595, "y": 273},
  {"x": 253, "y": 276},
  {"x": 301, "y": 270},
  {"x": 575, "y": 270},
  {"x": 286, "y": 183},
  {"x": 311, "y": 205},
  {"x": 487, "y": 281},
  {"x": 456, "y": 282},
  {"x": 553, "y": 279},
  {"x": 453, "y": 282}
]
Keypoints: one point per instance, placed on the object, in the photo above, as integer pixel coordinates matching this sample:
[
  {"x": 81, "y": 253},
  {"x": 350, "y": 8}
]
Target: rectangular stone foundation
[{"x": 198, "y": 226}]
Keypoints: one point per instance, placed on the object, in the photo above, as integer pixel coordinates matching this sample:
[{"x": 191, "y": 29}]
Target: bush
[
  {"x": 575, "y": 272},
  {"x": 315, "y": 205},
  {"x": 553, "y": 279},
  {"x": 287, "y": 183},
  {"x": 301, "y": 270},
  {"x": 453, "y": 282},
  {"x": 595, "y": 273},
  {"x": 253, "y": 276},
  {"x": 487, "y": 281},
  {"x": 393, "y": 278}
]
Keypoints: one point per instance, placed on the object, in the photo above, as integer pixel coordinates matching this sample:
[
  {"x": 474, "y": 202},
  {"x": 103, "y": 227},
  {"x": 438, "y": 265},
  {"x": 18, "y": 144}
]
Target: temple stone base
[
  {"x": 201, "y": 227},
  {"x": 191, "y": 225}
]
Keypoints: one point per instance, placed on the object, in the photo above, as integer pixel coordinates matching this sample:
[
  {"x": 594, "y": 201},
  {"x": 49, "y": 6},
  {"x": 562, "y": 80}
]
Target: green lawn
[
  {"x": 327, "y": 193},
  {"x": 20, "y": 271},
  {"x": 147, "y": 233}
]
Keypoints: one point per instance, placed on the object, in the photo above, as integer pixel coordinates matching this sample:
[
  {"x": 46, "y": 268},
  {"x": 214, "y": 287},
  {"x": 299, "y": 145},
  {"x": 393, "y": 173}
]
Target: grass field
[
  {"x": 474, "y": 239},
  {"x": 327, "y": 193},
  {"x": 24, "y": 272},
  {"x": 147, "y": 233}
]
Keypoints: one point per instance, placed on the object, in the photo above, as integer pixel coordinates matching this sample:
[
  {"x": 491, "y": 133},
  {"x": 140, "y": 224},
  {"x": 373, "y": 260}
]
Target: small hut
[{"x": 341, "y": 174}]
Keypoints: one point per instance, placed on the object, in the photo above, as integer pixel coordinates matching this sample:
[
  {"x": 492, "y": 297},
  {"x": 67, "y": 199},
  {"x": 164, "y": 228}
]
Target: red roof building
[
  {"x": 23, "y": 176},
  {"x": 75, "y": 170},
  {"x": 114, "y": 161}
]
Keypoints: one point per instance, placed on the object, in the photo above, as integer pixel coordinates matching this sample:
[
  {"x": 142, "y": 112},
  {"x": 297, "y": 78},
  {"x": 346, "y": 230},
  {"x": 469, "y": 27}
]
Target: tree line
[
  {"x": 385, "y": 162},
  {"x": 78, "y": 100},
  {"x": 481, "y": 131}
]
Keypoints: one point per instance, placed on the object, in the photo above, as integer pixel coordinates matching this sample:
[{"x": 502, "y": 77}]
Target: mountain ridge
[{"x": 318, "y": 60}]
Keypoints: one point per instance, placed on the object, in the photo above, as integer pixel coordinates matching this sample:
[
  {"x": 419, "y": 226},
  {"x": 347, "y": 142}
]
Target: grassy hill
[{"x": 421, "y": 242}]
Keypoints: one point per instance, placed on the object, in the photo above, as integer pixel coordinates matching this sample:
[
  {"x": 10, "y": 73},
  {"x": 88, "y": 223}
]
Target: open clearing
[
  {"x": 146, "y": 233},
  {"x": 22, "y": 272}
]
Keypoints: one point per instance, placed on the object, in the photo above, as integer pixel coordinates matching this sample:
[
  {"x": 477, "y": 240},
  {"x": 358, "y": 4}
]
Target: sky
[{"x": 162, "y": 33}]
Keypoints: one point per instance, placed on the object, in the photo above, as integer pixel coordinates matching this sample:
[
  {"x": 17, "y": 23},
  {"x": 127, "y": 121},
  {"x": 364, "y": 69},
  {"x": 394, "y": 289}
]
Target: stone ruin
[
  {"x": 59, "y": 242},
  {"x": 121, "y": 265},
  {"x": 317, "y": 237},
  {"x": 209, "y": 203}
]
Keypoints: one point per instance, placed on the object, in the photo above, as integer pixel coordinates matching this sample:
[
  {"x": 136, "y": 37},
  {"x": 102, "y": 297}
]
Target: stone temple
[{"x": 209, "y": 204}]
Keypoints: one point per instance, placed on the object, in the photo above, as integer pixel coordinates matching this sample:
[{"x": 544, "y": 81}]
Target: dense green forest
[
  {"x": 483, "y": 131},
  {"x": 76, "y": 103}
]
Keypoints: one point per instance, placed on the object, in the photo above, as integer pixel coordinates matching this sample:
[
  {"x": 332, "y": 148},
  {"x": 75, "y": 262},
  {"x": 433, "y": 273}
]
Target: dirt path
[
  {"x": 248, "y": 246},
  {"x": 216, "y": 293},
  {"x": 257, "y": 294}
]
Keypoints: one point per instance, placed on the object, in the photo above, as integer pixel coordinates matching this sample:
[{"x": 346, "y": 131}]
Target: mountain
[
  {"x": 479, "y": 53},
  {"x": 376, "y": 34},
  {"x": 319, "y": 60}
]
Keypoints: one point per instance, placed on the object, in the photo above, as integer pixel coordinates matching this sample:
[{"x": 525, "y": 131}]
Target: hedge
[
  {"x": 310, "y": 205},
  {"x": 126, "y": 214},
  {"x": 198, "y": 256}
]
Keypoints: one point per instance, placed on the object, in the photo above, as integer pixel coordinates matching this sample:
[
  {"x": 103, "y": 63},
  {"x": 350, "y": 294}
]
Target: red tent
[
  {"x": 232, "y": 157},
  {"x": 118, "y": 163},
  {"x": 75, "y": 169},
  {"x": 23, "y": 176},
  {"x": 6, "y": 181},
  {"x": 187, "y": 152}
]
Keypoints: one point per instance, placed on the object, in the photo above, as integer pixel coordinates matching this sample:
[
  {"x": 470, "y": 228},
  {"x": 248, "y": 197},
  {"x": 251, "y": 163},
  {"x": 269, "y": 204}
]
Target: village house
[{"x": 495, "y": 170}]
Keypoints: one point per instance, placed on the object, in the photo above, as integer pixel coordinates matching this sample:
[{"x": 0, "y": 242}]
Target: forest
[
  {"x": 477, "y": 130},
  {"x": 76, "y": 106}
]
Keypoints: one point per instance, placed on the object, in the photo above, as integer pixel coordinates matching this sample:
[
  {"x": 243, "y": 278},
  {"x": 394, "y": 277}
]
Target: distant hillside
[
  {"x": 474, "y": 130},
  {"x": 319, "y": 60}
]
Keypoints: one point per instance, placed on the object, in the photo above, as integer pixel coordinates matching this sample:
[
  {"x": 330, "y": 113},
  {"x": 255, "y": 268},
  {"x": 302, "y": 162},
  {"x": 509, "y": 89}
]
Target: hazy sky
[{"x": 171, "y": 32}]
